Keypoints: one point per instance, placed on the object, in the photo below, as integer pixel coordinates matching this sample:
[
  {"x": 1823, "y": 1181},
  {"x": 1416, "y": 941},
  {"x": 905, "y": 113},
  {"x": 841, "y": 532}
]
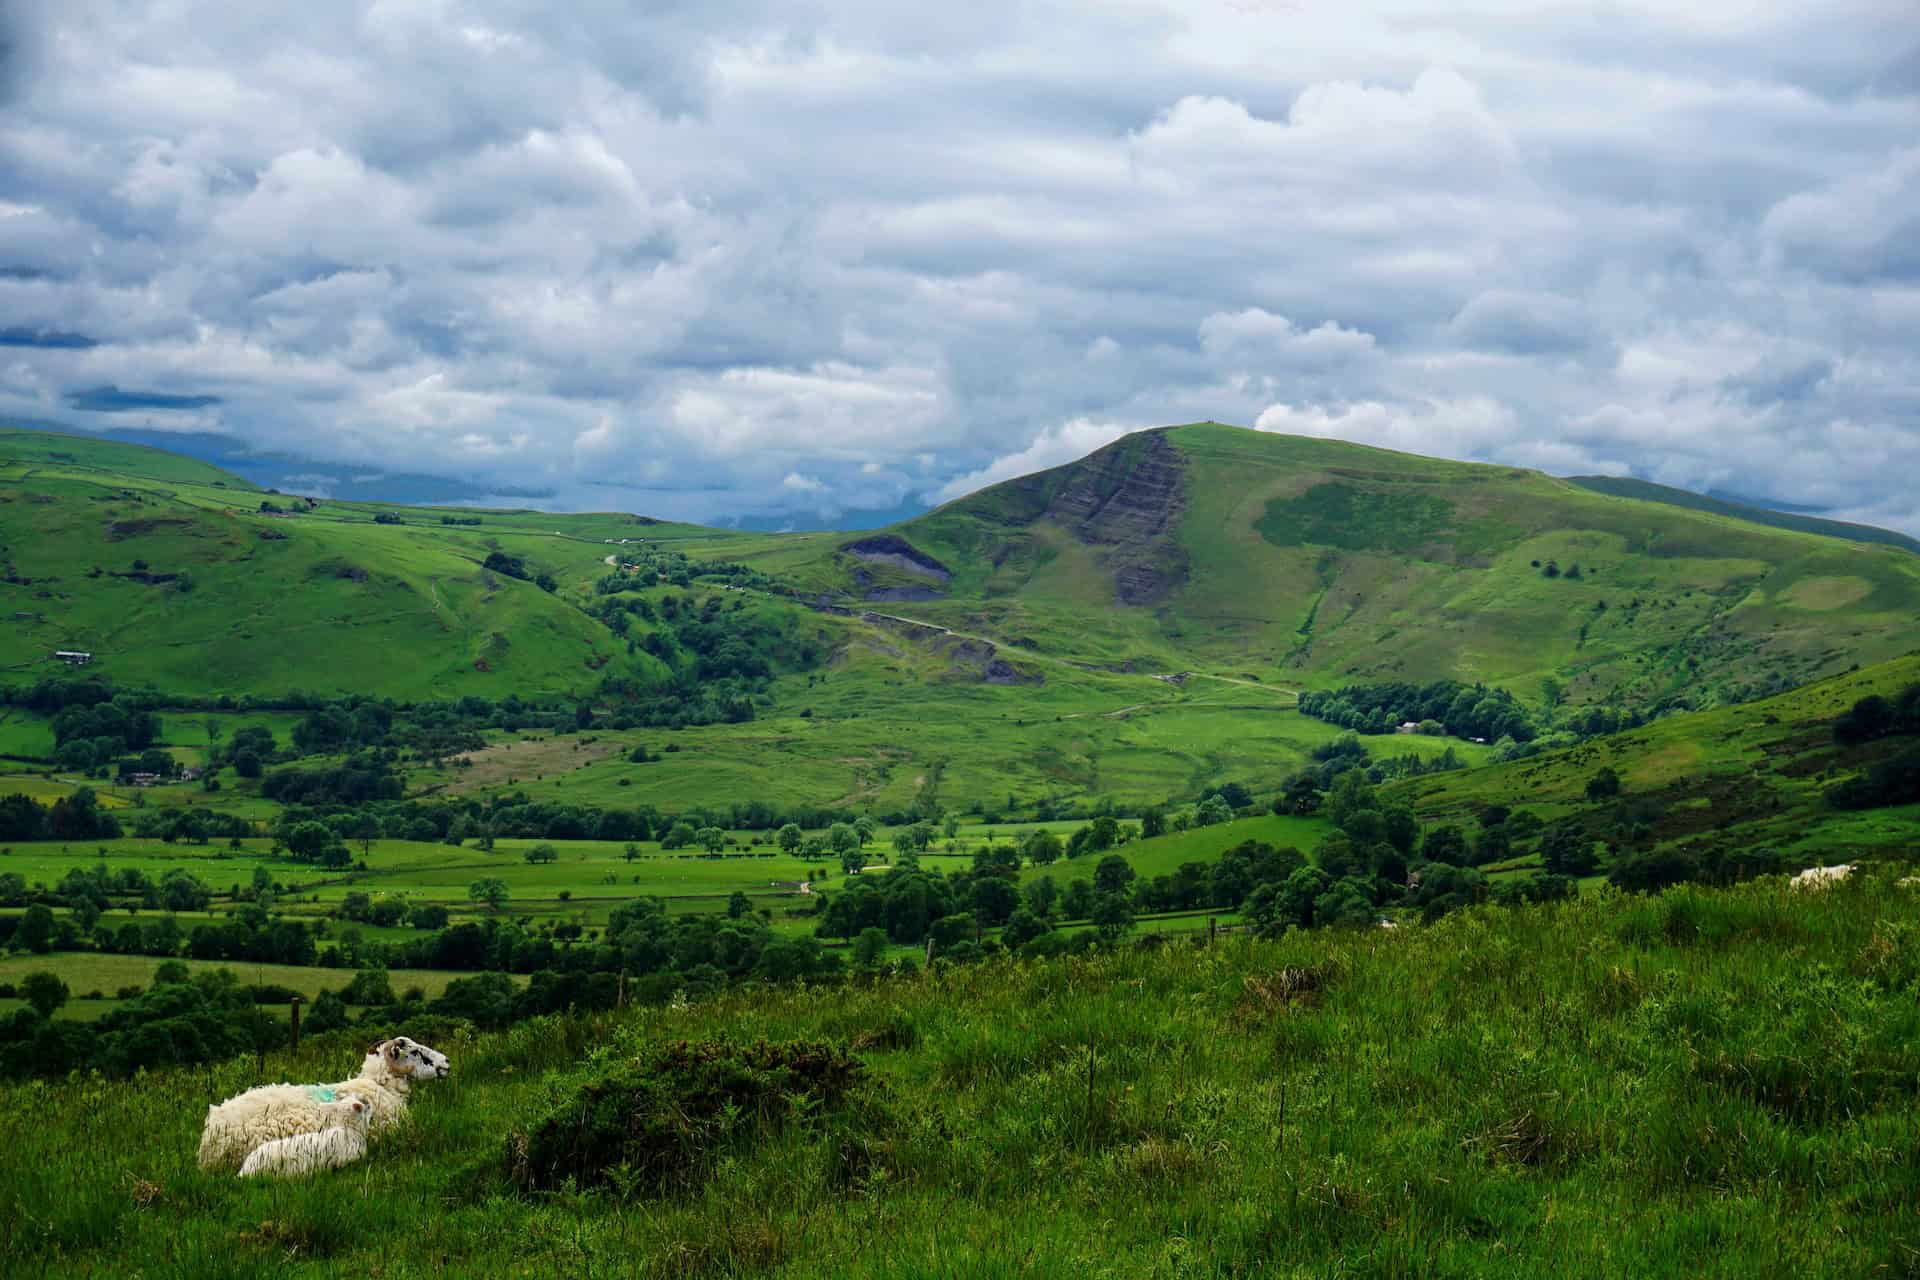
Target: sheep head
[
  {"x": 407, "y": 1059},
  {"x": 346, "y": 1113}
]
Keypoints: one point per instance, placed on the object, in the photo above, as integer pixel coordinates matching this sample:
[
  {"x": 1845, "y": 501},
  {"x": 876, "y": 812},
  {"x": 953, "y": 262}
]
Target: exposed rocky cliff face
[
  {"x": 1129, "y": 497},
  {"x": 893, "y": 550}
]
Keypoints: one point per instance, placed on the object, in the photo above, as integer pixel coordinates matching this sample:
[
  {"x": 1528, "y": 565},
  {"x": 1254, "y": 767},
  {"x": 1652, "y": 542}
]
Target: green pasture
[
  {"x": 973, "y": 747},
  {"x": 1165, "y": 854},
  {"x": 86, "y": 971}
]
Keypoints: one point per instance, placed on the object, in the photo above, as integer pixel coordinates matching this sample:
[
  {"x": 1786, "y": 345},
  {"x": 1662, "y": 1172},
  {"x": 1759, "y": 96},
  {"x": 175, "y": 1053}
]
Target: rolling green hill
[
  {"x": 1723, "y": 781},
  {"x": 1132, "y": 625},
  {"x": 1316, "y": 562},
  {"x": 1300, "y": 562},
  {"x": 175, "y": 574}
]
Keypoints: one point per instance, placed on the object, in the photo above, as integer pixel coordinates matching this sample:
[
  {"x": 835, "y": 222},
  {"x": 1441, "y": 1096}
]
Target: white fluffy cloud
[
  {"x": 739, "y": 258},
  {"x": 1053, "y": 446}
]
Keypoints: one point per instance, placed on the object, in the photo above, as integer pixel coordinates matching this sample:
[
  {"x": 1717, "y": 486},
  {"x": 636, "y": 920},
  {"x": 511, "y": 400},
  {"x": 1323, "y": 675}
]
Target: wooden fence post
[
  {"x": 294, "y": 1006},
  {"x": 1213, "y": 929}
]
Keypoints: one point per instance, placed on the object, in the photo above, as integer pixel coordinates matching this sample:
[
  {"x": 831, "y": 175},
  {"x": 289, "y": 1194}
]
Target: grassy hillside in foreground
[
  {"x": 1752, "y": 776},
  {"x": 1702, "y": 1083},
  {"x": 1315, "y": 562}
]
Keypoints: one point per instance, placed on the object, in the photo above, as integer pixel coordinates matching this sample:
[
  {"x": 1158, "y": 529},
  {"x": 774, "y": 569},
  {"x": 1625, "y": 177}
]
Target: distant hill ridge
[
  {"x": 1309, "y": 561},
  {"x": 1648, "y": 491},
  {"x": 1281, "y": 561}
]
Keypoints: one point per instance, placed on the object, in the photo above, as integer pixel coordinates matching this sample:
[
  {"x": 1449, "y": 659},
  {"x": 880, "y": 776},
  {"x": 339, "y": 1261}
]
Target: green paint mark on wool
[{"x": 320, "y": 1092}]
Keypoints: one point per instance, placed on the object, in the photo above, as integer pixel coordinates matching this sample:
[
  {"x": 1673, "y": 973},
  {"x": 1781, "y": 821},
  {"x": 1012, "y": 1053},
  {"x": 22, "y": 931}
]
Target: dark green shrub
[{"x": 656, "y": 1124}]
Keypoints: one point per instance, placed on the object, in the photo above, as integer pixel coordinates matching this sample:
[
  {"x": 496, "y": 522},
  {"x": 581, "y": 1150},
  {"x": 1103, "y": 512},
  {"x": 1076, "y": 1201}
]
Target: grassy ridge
[
  {"x": 1752, "y": 775},
  {"x": 226, "y": 599},
  {"x": 1707, "y": 1084},
  {"x": 1317, "y": 562},
  {"x": 1627, "y": 487}
]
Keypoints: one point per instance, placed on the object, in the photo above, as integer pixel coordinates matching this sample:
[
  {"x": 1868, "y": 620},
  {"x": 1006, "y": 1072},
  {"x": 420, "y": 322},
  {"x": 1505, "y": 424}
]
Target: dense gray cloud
[{"x": 739, "y": 259}]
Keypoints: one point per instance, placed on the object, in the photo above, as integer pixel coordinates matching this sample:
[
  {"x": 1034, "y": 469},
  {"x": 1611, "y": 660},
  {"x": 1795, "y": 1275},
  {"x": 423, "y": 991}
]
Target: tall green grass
[{"x": 1701, "y": 1084}]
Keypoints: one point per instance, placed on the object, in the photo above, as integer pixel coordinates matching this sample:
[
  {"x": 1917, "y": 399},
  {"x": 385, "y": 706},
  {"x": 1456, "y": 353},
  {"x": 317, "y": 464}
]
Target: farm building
[{"x": 73, "y": 657}]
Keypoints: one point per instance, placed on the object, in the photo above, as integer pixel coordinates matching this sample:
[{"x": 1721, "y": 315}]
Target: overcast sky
[{"x": 718, "y": 258}]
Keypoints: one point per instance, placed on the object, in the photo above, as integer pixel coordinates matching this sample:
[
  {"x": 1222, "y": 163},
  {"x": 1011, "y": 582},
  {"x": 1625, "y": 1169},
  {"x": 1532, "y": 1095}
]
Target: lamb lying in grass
[
  {"x": 341, "y": 1142},
  {"x": 242, "y": 1123}
]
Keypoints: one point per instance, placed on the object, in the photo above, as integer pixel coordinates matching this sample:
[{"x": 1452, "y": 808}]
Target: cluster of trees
[
  {"x": 93, "y": 729},
  {"x": 1482, "y": 712},
  {"x": 362, "y": 777},
  {"x": 653, "y": 565},
  {"x": 516, "y": 567},
  {"x": 98, "y": 888},
  {"x": 1300, "y": 792},
  {"x": 75, "y": 817},
  {"x": 179, "y": 1021},
  {"x": 1442, "y": 707},
  {"x": 1874, "y": 717},
  {"x": 717, "y": 655},
  {"x": 1895, "y": 780}
]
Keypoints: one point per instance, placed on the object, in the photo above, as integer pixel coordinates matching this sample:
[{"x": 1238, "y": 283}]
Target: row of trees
[
  {"x": 75, "y": 817},
  {"x": 179, "y": 1021},
  {"x": 1440, "y": 707}
]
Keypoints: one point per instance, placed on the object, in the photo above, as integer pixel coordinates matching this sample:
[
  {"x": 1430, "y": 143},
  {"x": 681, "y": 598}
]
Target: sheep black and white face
[{"x": 408, "y": 1058}]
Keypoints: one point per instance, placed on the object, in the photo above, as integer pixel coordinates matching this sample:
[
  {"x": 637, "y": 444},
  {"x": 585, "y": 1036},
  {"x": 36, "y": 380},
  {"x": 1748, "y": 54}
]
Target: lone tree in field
[
  {"x": 543, "y": 853},
  {"x": 710, "y": 838},
  {"x": 1111, "y": 915},
  {"x": 1113, "y": 875},
  {"x": 1212, "y": 811},
  {"x": 44, "y": 991},
  {"x": 790, "y": 837},
  {"x": 1567, "y": 850},
  {"x": 843, "y": 839},
  {"x": 870, "y": 947},
  {"x": 1042, "y": 848},
  {"x": 492, "y": 890},
  {"x": 631, "y": 852},
  {"x": 1603, "y": 785},
  {"x": 36, "y": 930}
]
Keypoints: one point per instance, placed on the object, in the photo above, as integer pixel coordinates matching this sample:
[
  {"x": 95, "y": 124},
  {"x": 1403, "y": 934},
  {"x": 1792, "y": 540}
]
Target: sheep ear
[{"x": 380, "y": 1047}]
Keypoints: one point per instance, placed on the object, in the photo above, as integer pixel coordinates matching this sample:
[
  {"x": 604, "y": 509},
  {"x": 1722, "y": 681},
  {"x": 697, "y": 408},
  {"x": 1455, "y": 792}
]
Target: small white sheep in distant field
[
  {"x": 1823, "y": 877},
  {"x": 236, "y": 1127},
  {"x": 341, "y": 1142}
]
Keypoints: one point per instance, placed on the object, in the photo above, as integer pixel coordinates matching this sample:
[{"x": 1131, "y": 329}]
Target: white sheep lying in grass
[
  {"x": 242, "y": 1123},
  {"x": 1823, "y": 877},
  {"x": 341, "y": 1142}
]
